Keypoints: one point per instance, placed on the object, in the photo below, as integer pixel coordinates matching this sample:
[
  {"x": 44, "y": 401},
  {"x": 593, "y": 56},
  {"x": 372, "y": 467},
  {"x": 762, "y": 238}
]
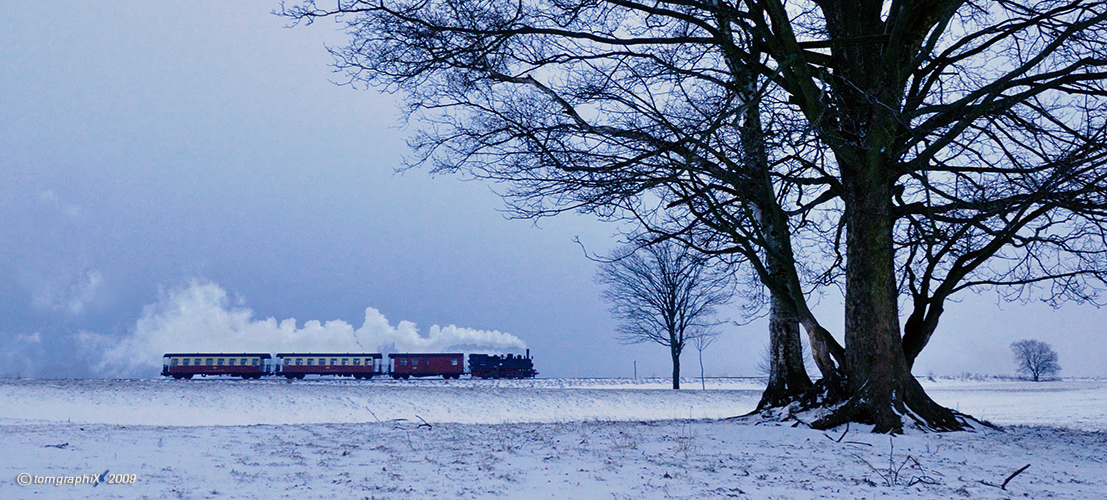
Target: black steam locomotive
[{"x": 505, "y": 366}]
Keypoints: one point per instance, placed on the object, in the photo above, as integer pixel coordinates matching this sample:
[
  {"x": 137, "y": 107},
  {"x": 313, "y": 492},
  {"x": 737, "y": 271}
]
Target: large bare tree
[
  {"x": 912, "y": 148},
  {"x": 664, "y": 293}
]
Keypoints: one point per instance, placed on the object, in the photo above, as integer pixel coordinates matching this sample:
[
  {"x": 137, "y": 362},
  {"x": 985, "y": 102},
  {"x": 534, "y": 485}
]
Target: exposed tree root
[
  {"x": 818, "y": 395},
  {"x": 779, "y": 397},
  {"x": 888, "y": 413},
  {"x": 909, "y": 405}
]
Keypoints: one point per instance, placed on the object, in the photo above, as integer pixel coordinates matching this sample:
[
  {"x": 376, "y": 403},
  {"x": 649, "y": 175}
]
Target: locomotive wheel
[{"x": 395, "y": 377}]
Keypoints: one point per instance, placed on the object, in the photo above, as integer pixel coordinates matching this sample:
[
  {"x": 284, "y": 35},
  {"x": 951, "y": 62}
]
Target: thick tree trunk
[
  {"x": 788, "y": 378},
  {"x": 864, "y": 132},
  {"x": 880, "y": 386},
  {"x": 788, "y": 309}
]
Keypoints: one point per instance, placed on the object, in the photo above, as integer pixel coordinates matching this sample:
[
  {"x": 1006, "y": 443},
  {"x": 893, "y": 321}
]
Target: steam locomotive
[{"x": 363, "y": 365}]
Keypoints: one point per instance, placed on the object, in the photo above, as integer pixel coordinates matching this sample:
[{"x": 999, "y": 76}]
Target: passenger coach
[
  {"x": 187, "y": 365},
  {"x": 446, "y": 365},
  {"x": 357, "y": 365}
]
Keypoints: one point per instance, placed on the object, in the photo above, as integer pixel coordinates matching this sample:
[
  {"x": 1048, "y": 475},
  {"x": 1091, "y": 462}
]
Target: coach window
[
  {"x": 299, "y": 361},
  {"x": 311, "y": 362},
  {"x": 403, "y": 361},
  {"x": 414, "y": 361},
  {"x": 357, "y": 361},
  {"x": 219, "y": 362},
  {"x": 209, "y": 361},
  {"x": 287, "y": 361},
  {"x": 231, "y": 361},
  {"x": 453, "y": 362},
  {"x": 345, "y": 361},
  {"x": 185, "y": 362},
  {"x": 334, "y": 361}
]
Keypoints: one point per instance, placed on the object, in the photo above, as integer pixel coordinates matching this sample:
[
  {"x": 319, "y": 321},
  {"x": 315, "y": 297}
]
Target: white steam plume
[{"x": 200, "y": 318}]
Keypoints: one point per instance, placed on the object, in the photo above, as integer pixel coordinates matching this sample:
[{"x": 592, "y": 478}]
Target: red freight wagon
[
  {"x": 357, "y": 365},
  {"x": 405, "y": 365},
  {"x": 186, "y": 365}
]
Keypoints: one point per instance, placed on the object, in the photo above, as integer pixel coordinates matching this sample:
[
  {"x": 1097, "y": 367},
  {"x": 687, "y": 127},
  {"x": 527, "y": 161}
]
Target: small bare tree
[
  {"x": 701, "y": 342},
  {"x": 664, "y": 293},
  {"x": 1035, "y": 359}
]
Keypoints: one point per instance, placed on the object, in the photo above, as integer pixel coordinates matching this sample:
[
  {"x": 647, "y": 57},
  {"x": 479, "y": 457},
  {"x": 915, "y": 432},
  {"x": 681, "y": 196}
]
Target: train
[{"x": 363, "y": 365}]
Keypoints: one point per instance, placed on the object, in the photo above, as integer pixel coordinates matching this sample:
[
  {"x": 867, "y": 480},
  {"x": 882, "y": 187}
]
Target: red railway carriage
[
  {"x": 187, "y": 365},
  {"x": 347, "y": 364},
  {"x": 446, "y": 365}
]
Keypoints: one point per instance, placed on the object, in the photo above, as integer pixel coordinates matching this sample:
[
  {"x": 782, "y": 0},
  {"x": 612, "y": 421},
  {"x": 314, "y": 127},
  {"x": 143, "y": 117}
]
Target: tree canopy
[{"x": 904, "y": 150}]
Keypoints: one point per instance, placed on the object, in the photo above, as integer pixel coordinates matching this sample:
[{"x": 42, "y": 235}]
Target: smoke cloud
[{"x": 202, "y": 318}]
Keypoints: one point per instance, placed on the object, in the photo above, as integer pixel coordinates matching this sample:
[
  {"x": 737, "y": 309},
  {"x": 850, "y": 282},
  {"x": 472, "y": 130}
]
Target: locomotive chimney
[{"x": 528, "y": 353}]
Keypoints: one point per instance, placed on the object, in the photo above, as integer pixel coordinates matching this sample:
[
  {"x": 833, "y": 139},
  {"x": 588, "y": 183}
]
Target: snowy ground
[{"x": 546, "y": 438}]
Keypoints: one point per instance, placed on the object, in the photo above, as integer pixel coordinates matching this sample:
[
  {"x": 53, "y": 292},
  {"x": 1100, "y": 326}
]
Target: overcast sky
[{"x": 170, "y": 170}]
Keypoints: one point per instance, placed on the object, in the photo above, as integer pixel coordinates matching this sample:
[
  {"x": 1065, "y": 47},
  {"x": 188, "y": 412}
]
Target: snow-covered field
[{"x": 545, "y": 438}]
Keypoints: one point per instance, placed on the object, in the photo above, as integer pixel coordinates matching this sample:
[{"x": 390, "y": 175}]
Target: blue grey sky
[{"x": 151, "y": 148}]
